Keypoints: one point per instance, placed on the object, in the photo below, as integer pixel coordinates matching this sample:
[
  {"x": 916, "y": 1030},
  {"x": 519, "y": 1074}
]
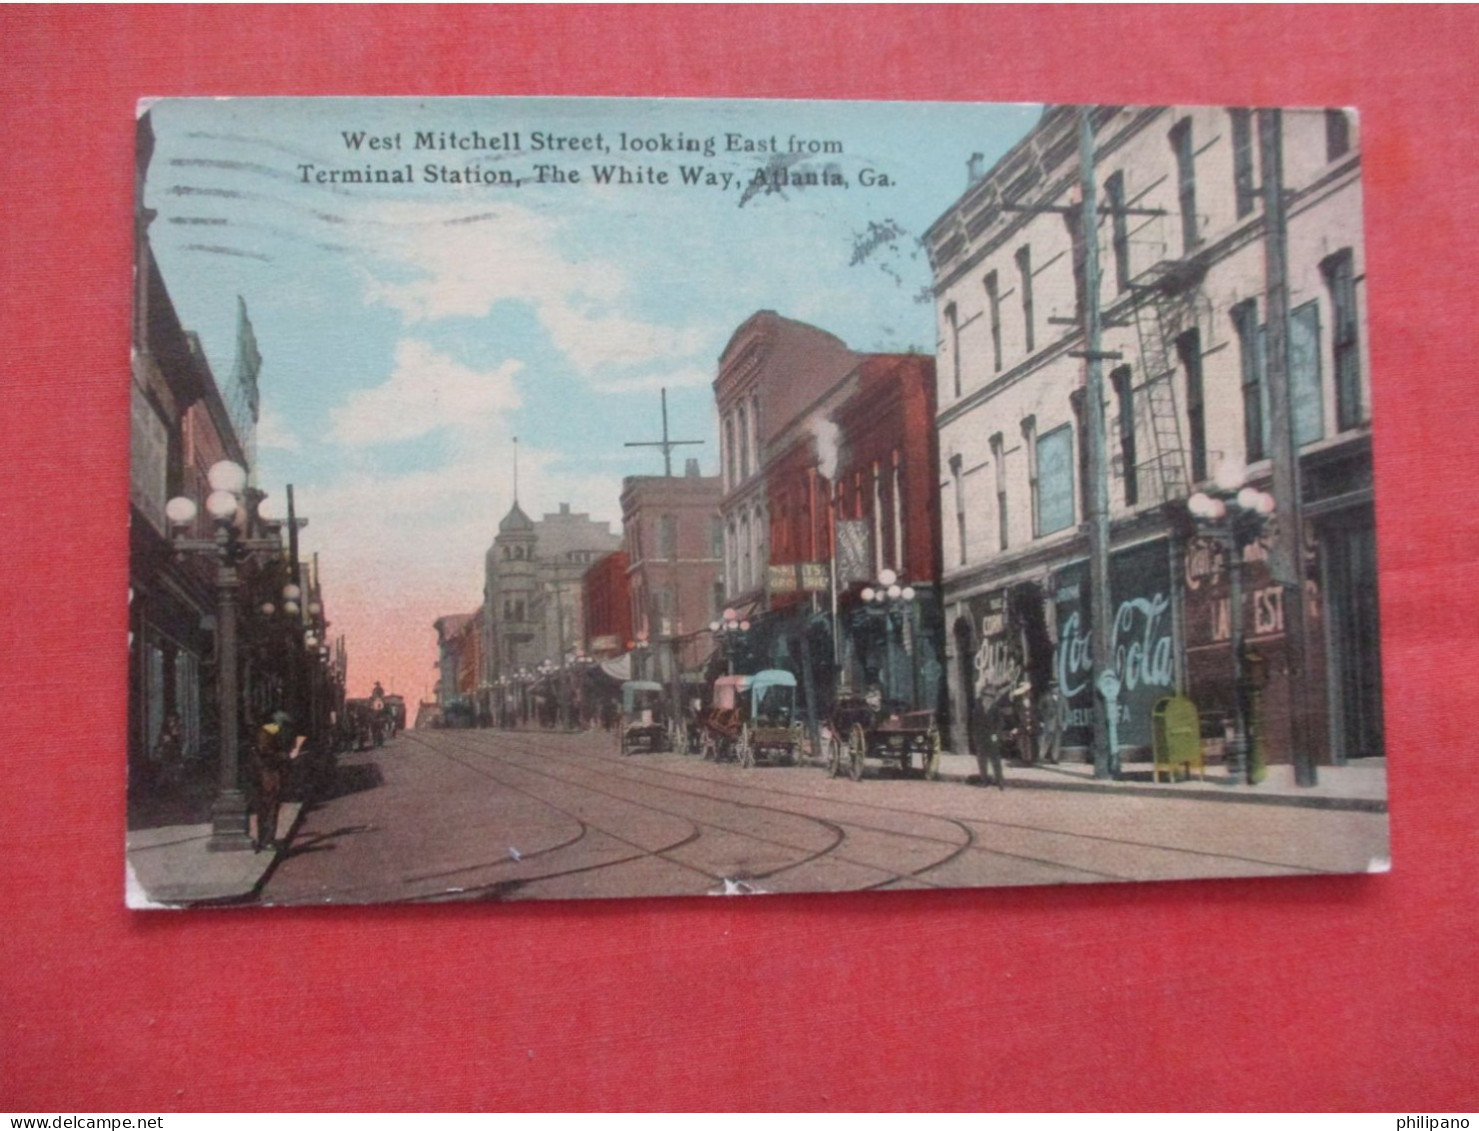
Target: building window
[
  {"x": 1054, "y": 479},
  {"x": 1340, "y": 277},
  {"x": 716, "y": 537},
  {"x": 998, "y": 459},
  {"x": 1255, "y": 391},
  {"x": 1024, "y": 271},
  {"x": 993, "y": 303},
  {"x": 744, "y": 443},
  {"x": 954, "y": 323},
  {"x": 957, "y": 487},
  {"x": 1119, "y": 220},
  {"x": 1074, "y": 219},
  {"x": 1337, "y": 134},
  {"x": 1242, "y": 147},
  {"x": 1186, "y": 183},
  {"x": 716, "y": 601},
  {"x": 746, "y": 553},
  {"x": 667, "y": 537},
  {"x": 1189, "y": 351},
  {"x": 729, "y": 465},
  {"x": 1122, "y": 380},
  {"x": 896, "y": 497}
]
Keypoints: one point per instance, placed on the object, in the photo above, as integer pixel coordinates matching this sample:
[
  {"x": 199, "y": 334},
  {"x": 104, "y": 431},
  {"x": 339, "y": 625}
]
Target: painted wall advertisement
[{"x": 1140, "y": 642}]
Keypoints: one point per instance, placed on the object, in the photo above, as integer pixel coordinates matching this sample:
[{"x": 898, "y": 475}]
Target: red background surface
[{"x": 1345, "y": 992}]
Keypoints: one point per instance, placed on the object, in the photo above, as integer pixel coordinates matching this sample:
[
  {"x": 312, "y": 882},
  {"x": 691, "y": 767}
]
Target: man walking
[{"x": 273, "y": 755}]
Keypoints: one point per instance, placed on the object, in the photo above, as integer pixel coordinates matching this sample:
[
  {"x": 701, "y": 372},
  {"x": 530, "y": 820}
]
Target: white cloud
[
  {"x": 689, "y": 377},
  {"x": 402, "y": 550},
  {"x": 273, "y": 432},
  {"x": 427, "y": 392},
  {"x": 466, "y": 269}
]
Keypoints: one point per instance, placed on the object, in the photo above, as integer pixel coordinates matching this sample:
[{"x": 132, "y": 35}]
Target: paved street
[{"x": 463, "y": 814}]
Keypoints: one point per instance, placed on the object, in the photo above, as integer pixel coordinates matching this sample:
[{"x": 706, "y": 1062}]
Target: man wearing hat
[{"x": 273, "y": 756}]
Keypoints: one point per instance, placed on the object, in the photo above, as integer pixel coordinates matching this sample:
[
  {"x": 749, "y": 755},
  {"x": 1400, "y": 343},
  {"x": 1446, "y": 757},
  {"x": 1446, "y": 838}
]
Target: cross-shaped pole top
[{"x": 665, "y": 444}]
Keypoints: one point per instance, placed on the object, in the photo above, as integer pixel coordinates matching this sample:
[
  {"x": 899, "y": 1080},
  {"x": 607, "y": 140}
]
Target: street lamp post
[
  {"x": 728, "y": 631},
  {"x": 1235, "y": 516},
  {"x": 894, "y": 601},
  {"x": 232, "y": 506}
]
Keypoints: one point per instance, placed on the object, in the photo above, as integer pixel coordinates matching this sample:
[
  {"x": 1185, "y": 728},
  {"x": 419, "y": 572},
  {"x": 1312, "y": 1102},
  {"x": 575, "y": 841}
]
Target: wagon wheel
[
  {"x": 932, "y": 754},
  {"x": 833, "y": 746},
  {"x": 745, "y": 750},
  {"x": 857, "y": 751}
]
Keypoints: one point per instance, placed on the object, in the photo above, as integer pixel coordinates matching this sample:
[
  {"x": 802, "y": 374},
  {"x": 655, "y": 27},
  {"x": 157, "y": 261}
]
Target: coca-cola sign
[{"x": 1141, "y": 643}]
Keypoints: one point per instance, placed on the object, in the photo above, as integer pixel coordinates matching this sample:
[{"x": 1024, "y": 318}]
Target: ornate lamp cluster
[
  {"x": 1235, "y": 515},
  {"x": 240, "y": 530},
  {"x": 887, "y": 590}
]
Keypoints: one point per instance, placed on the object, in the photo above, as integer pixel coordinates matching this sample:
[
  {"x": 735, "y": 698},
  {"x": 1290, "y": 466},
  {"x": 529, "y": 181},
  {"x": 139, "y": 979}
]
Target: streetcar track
[
  {"x": 839, "y": 838},
  {"x": 839, "y": 834},
  {"x": 1038, "y": 829},
  {"x": 590, "y": 764}
]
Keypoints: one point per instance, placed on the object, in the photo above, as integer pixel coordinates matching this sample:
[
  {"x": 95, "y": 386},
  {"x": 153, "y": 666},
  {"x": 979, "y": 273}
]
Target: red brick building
[
  {"x": 814, "y": 435},
  {"x": 608, "y": 606},
  {"x": 674, "y": 544}
]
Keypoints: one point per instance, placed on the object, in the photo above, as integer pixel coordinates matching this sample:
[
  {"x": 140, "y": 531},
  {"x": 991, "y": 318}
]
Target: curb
[{"x": 1230, "y": 794}]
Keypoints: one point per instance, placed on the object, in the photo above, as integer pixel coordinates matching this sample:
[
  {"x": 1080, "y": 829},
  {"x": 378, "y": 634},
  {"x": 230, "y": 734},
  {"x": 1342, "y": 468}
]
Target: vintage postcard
[{"x": 573, "y": 498}]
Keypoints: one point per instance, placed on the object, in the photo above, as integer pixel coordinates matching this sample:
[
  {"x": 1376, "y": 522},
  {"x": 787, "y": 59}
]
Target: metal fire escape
[{"x": 1164, "y": 309}]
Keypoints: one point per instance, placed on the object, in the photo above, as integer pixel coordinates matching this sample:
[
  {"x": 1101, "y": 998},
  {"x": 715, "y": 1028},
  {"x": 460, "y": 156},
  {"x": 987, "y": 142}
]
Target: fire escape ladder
[{"x": 1159, "y": 315}]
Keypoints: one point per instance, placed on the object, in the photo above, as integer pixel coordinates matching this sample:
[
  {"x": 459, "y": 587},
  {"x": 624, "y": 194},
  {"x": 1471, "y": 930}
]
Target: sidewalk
[
  {"x": 171, "y": 866},
  {"x": 1359, "y": 785}
]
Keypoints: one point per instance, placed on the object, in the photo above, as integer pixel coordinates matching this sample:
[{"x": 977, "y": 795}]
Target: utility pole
[
  {"x": 665, "y": 444},
  {"x": 1287, "y": 557},
  {"x": 1101, "y": 614}
]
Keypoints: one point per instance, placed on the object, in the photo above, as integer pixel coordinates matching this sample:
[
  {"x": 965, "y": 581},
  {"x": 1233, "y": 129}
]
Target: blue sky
[{"x": 410, "y": 331}]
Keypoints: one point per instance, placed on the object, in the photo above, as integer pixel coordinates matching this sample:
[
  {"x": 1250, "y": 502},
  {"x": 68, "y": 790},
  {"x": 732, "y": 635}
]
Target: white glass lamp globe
[
  {"x": 894, "y": 591},
  {"x": 268, "y": 608},
  {"x": 731, "y": 615},
  {"x": 180, "y": 511},
  {"x": 908, "y": 592},
  {"x": 867, "y": 594},
  {"x": 744, "y": 626},
  {"x": 713, "y": 626},
  {"x": 1200, "y": 505},
  {"x": 887, "y": 578},
  {"x": 1265, "y": 503},
  {"x": 266, "y": 511},
  {"x": 221, "y": 505},
  {"x": 290, "y": 607},
  {"x": 1248, "y": 498},
  {"x": 291, "y": 592},
  {"x": 227, "y": 476}
]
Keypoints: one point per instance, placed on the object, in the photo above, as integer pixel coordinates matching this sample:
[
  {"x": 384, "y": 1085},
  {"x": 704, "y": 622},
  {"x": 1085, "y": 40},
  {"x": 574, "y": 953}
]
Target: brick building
[
  {"x": 1183, "y": 295},
  {"x": 674, "y": 545}
]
